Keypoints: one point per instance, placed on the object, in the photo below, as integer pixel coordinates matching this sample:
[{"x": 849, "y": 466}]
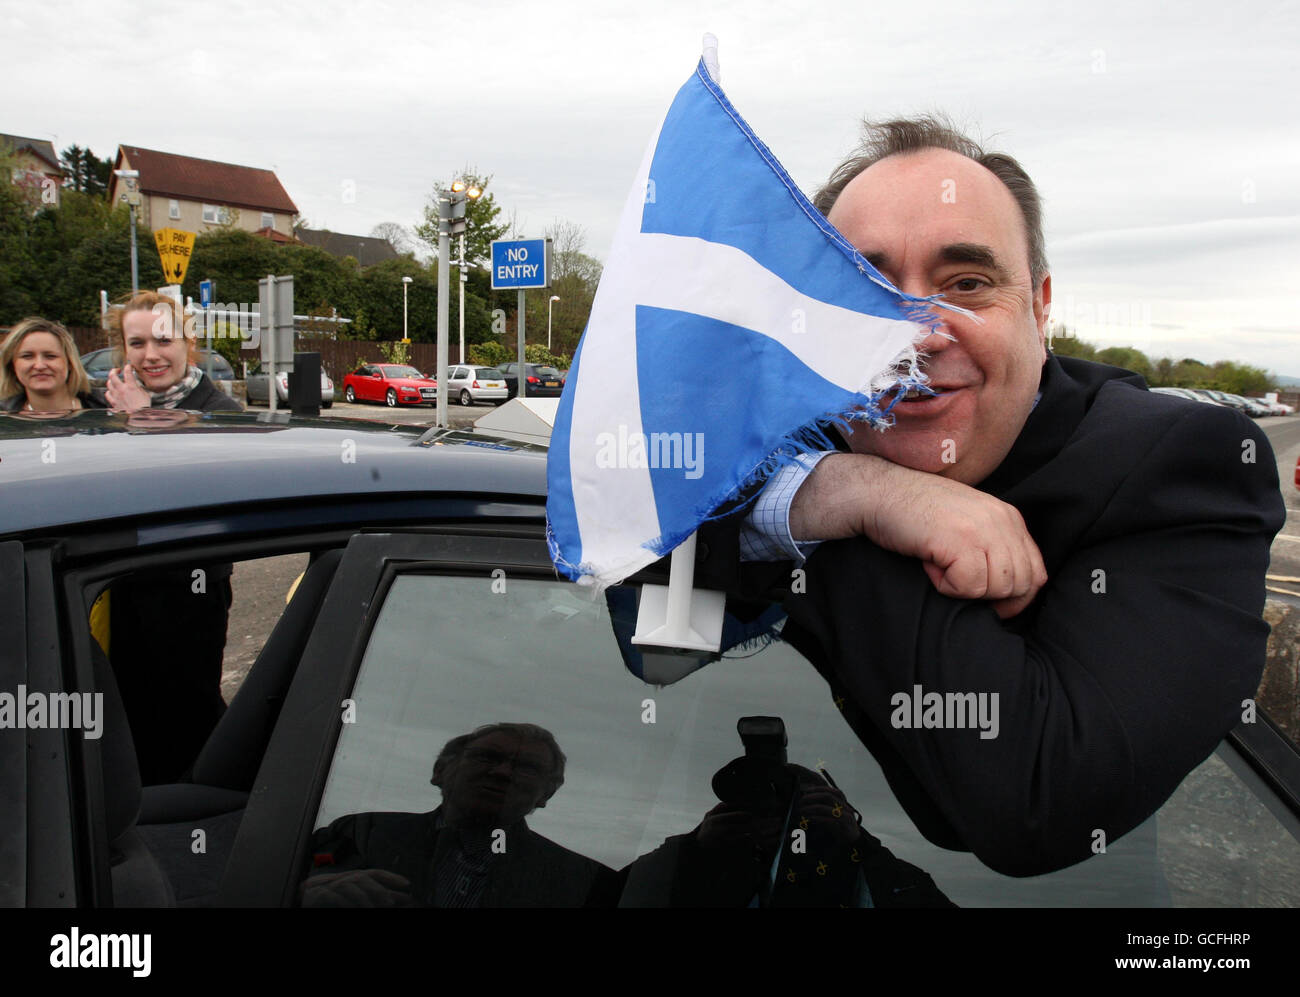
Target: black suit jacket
[{"x": 1154, "y": 517}]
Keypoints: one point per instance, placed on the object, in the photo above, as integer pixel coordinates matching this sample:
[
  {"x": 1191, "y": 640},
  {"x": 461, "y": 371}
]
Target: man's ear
[{"x": 1043, "y": 308}]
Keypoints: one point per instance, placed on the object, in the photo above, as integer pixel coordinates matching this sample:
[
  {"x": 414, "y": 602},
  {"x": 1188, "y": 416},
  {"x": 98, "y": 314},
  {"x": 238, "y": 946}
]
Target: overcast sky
[{"x": 1164, "y": 137}]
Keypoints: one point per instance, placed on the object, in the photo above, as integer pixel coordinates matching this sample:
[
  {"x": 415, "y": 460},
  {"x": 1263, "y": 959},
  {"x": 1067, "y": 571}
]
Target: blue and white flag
[{"x": 731, "y": 326}]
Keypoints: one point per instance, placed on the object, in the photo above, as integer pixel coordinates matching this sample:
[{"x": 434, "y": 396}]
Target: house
[
  {"x": 198, "y": 195},
  {"x": 35, "y": 168},
  {"x": 366, "y": 249}
]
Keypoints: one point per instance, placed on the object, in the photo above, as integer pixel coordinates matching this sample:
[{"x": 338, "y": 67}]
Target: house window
[
  {"x": 174, "y": 208},
  {"x": 211, "y": 214},
  {"x": 268, "y": 220}
]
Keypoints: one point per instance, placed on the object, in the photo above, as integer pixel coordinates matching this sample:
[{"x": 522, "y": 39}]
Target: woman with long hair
[{"x": 40, "y": 370}]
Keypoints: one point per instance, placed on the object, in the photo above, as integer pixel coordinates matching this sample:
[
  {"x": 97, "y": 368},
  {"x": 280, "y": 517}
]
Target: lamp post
[
  {"x": 463, "y": 277},
  {"x": 549, "y": 304},
  {"x": 451, "y": 221},
  {"x": 132, "y": 199},
  {"x": 406, "y": 282}
]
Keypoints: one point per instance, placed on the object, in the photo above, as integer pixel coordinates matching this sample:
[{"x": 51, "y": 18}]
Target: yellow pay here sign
[{"x": 174, "y": 248}]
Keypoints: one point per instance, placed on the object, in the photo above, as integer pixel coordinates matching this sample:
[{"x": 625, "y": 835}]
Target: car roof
[{"x": 95, "y": 465}]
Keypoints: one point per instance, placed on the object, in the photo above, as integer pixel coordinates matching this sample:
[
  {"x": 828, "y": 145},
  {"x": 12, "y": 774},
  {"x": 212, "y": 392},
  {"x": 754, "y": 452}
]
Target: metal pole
[
  {"x": 444, "y": 288},
  {"x": 269, "y": 330},
  {"x": 135, "y": 265},
  {"x": 549, "y": 305},
  {"x": 520, "y": 371},
  {"x": 463, "y": 278},
  {"x": 405, "y": 334}
]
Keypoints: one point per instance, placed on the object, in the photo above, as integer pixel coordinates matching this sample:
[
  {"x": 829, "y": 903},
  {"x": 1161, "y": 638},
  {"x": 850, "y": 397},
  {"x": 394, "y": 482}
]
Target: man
[
  {"x": 1042, "y": 535},
  {"x": 473, "y": 851}
]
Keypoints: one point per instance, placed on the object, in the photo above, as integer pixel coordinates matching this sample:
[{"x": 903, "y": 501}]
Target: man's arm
[
  {"x": 971, "y": 545},
  {"x": 1110, "y": 689}
]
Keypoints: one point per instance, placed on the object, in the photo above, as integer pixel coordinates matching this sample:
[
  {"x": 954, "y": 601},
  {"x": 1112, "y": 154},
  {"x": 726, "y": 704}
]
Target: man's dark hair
[
  {"x": 904, "y": 135},
  {"x": 529, "y": 732}
]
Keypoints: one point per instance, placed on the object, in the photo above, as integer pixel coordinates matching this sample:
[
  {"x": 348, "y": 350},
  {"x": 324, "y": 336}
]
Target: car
[
  {"x": 542, "y": 381},
  {"x": 409, "y": 597},
  {"x": 392, "y": 384},
  {"x": 1187, "y": 393},
  {"x": 469, "y": 385},
  {"x": 99, "y": 362},
  {"x": 255, "y": 387}
]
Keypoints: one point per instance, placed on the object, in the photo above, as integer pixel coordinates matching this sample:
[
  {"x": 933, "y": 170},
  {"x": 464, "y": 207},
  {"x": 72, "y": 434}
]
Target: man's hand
[
  {"x": 124, "y": 393},
  {"x": 971, "y": 545}
]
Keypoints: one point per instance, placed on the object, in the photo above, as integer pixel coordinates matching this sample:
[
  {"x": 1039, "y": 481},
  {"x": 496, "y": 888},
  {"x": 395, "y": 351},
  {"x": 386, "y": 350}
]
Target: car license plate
[{"x": 552, "y": 384}]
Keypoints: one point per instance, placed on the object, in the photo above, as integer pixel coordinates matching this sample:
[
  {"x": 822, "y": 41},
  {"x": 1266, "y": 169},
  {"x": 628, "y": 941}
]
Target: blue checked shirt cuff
[{"x": 765, "y": 532}]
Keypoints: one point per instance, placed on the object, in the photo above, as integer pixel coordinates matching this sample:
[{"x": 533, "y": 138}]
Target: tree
[
  {"x": 481, "y": 215},
  {"x": 1128, "y": 358},
  {"x": 398, "y": 236},
  {"x": 85, "y": 172}
]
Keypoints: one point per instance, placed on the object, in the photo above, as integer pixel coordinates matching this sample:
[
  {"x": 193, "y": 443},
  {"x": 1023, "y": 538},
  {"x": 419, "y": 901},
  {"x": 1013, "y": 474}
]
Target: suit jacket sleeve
[{"x": 1126, "y": 672}]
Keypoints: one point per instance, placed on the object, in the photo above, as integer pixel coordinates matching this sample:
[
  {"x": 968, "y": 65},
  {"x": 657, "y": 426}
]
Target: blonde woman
[
  {"x": 40, "y": 370},
  {"x": 157, "y": 356}
]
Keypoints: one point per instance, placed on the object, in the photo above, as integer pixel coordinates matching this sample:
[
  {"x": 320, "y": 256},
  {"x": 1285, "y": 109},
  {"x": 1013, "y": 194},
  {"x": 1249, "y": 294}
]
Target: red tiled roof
[
  {"x": 169, "y": 175},
  {"x": 274, "y": 236}
]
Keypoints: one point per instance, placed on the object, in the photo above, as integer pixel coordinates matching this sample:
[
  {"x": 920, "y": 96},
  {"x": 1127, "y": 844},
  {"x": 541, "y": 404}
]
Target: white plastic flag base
[{"x": 678, "y": 625}]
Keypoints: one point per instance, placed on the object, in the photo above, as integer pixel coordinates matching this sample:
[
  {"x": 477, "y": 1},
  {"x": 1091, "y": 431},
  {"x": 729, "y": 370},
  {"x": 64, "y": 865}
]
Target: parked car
[
  {"x": 392, "y": 384},
  {"x": 429, "y": 606},
  {"x": 541, "y": 380},
  {"x": 1187, "y": 393},
  {"x": 255, "y": 387},
  {"x": 99, "y": 362},
  {"x": 469, "y": 385}
]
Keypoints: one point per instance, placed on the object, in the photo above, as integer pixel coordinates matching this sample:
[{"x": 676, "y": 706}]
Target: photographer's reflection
[
  {"x": 783, "y": 836},
  {"x": 475, "y": 850}
]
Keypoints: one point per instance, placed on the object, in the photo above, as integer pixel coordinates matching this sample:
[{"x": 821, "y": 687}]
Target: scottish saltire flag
[{"x": 732, "y": 324}]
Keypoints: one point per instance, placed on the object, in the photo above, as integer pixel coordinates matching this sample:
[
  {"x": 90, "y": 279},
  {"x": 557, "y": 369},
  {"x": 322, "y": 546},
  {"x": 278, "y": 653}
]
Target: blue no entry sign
[{"x": 521, "y": 264}]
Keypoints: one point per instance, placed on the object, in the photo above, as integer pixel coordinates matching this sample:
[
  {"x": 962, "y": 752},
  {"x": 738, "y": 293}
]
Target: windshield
[{"x": 401, "y": 371}]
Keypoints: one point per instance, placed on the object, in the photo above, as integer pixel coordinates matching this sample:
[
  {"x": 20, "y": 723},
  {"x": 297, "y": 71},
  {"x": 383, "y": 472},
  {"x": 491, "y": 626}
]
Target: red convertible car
[{"x": 392, "y": 383}]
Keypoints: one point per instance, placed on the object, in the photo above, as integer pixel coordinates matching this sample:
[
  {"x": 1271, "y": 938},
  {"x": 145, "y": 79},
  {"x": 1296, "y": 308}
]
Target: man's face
[
  {"x": 496, "y": 780},
  {"x": 936, "y": 222}
]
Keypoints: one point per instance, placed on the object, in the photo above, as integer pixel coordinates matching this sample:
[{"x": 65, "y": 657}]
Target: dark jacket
[
  {"x": 89, "y": 399},
  {"x": 207, "y": 397},
  {"x": 531, "y": 871},
  {"x": 1154, "y": 517}
]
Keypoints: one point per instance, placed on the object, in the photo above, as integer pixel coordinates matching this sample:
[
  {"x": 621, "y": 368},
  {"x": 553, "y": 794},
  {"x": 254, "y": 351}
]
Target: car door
[{"x": 422, "y": 638}]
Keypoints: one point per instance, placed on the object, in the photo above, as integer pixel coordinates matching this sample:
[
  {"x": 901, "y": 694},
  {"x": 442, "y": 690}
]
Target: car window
[
  {"x": 98, "y": 361},
  {"x": 641, "y": 759},
  {"x": 401, "y": 371},
  {"x": 546, "y": 372}
]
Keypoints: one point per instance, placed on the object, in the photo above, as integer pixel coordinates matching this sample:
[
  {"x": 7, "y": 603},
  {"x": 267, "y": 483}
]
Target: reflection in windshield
[
  {"x": 476, "y": 849},
  {"x": 782, "y": 836}
]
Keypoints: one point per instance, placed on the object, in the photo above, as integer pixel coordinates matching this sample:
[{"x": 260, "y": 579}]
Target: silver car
[
  {"x": 469, "y": 384},
  {"x": 255, "y": 385}
]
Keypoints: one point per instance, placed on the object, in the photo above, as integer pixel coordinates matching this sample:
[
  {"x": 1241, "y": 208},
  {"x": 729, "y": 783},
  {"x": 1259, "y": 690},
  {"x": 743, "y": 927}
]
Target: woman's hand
[{"x": 124, "y": 393}]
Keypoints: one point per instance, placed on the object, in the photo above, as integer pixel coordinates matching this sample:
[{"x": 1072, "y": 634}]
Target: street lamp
[
  {"x": 132, "y": 199},
  {"x": 406, "y": 282},
  {"x": 554, "y": 299},
  {"x": 451, "y": 221}
]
